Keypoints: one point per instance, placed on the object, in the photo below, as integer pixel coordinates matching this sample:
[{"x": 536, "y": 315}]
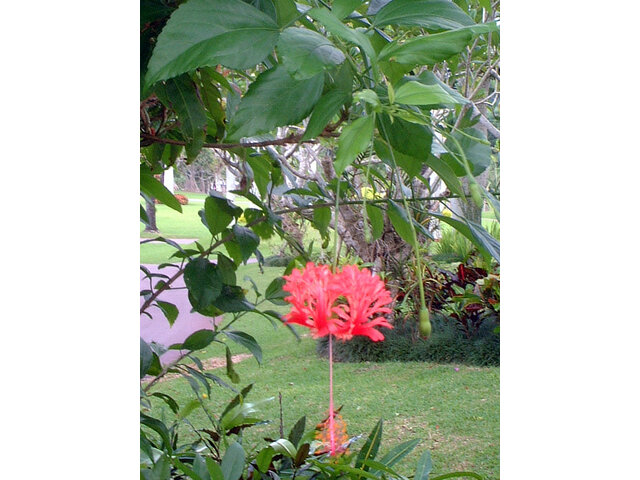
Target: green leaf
[
  {"x": 343, "y": 8},
  {"x": 399, "y": 452},
  {"x": 218, "y": 212},
  {"x": 476, "y": 233},
  {"x": 424, "y": 467},
  {"x": 246, "y": 341},
  {"x": 370, "y": 448},
  {"x": 146, "y": 357},
  {"x": 400, "y": 222},
  {"x": 200, "y": 467},
  {"x": 203, "y": 281},
  {"x": 286, "y": 12},
  {"x": 432, "y": 15},
  {"x": 210, "y": 32},
  {"x": 274, "y": 292},
  {"x": 158, "y": 427},
  {"x": 377, "y": 220},
  {"x": 354, "y": 139},
  {"x": 406, "y": 137},
  {"x": 305, "y": 53},
  {"x": 181, "y": 95},
  {"x": 284, "y": 447},
  {"x": 232, "y": 299},
  {"x": 233, "y": 462},
  {"x": 326, "y": 108},
  {"x": 263, "y": 459},
  {"x": 226, "y": 269},
  {"x": 339, "y": 29},
  {"x": 295, "y": 435},
  {"x": 261, "y": 167},
  {"x": 273, "y": 100},
  {"x": 445, "y": 172},
  {"x": 429, "y": 78},
  {"x": 411, "y": 165},
  {"x": 170, "y": 311},
  {"x": 231, "y": 373},
  {"x": 215, "y": 472},
  {"x": 477, "y": 152},
  {"x": 430, "y": 49},
  {"x": 199, "y": 340},
  {"x": 152, "y": 187},
  {"x": 415, "y": 93},
  {"x": 168, "y": 400},
  {"x": 246, "y": 240},
  {"x": 322, "y": 218}
]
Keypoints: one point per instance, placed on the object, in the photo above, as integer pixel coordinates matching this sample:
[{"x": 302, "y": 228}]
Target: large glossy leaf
[
  {"x": 210, "y": 32},
  {"x": 377, "y": 220},
  {"x": 286, "y": 12},
  {"x": 424, "y": 467},
  {"x": 432, "y": 15},
  {"x": 181, "y": 95},
  {"x": 199, "y": 340},
  {"x": 152, "y": 187},
  {"x": 354, "y": 139},
  {"x": 431, "y": 49},
  {"x": 411, "y": 165},
  {"x": 169, "y": 309},
  {"x": 219, "y": 212},
  {"x": 305, "y": 53},
  {"x": 203, "y": 281},
  {"x": 326, "y": 108},
  {"x": 273, "y": 100},
  {"x": 342, "y": 8},
  {"x": 246, "y": 240},
  {"x": 232, "y": 299}
]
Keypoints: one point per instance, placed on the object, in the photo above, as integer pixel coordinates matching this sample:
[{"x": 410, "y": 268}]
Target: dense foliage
[{"x": 357, "y": 116}]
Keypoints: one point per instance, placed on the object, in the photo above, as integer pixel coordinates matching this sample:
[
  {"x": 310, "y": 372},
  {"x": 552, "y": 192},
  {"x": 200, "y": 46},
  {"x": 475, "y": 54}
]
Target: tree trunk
[{"x": 150, "y": 208}]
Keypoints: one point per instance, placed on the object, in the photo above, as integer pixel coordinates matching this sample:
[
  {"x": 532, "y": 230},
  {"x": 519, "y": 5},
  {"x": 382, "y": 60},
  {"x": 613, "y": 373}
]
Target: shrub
[{"x": 447, "y": 343}]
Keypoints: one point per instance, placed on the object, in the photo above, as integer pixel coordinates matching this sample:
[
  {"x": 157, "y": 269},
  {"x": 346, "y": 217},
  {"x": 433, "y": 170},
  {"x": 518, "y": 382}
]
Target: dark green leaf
[
  {"x": 305, "y": 53},
  {"x": 432, "y": 15},
  {"x": 377, "y": 220},
  {"x": 246, "y": 240},
  {"x": 215, "y": 472},
  {"x": 226, "y": 269},
  {"x": 232, "y": 299},
  {"x": 181, "y": 95},
  {"x": 274, "y": 292},
  {"x": 301, "y": 455},
  {"x": 445, "y": 172},
  {"x": 370, "y": 448},
  {"x": 430, "y": 49},
  {"x": 322, "y": 218},
  {"x": 339, "y": 29},
  {"x": 152, "y": 187},
  {"x": 263, "y": 459},
  {"x": 399, "y": 452},
  {"x": 146, "y": 357},
  {"x": 246, "y": 341},
  {"x": 273, "y": 100},
  {"x": 476, "y": 233},
  {"x": 261, "y": 167},
  {"x": 231, "y": 373},
  {"x": 218, "y": 212},
  {"x": 168, "y": 400},
  {"x": 199, "y": 340},
  {"x": 400, "y": 221},
  {"x": 424, "y": 467},
  {"x": 158, "y": 427},
  {"x": 477, "y": 152},
  {"x": 354, "y": 139},
  {"x": 200, "y": 467},
  {"x": 210, "y": 32},
  {"x": 170, "y": 311},
  {"x": 203, "y": 281},
  {"x": 411, "y": 165},
  {"x": 343, "y": 8},
  {"x": 406, "y": 137},
  {"x": 297, "y": 431},
  {"x": 326, "y": 108},
  {"x": 286, "y": 12}
]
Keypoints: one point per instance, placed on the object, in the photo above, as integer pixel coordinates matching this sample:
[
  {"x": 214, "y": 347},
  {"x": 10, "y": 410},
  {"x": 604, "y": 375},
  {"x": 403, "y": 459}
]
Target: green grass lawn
[{"x": 455, "y": 414}]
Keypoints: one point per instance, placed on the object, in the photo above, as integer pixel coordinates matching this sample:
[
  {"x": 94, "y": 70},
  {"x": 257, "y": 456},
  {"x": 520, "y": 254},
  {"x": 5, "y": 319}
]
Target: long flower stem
[{"x": 332, "y": 439}]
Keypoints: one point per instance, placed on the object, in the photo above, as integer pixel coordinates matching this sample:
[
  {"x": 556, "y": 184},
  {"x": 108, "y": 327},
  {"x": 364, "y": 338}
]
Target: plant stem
[{"x": 332, "y": 440}]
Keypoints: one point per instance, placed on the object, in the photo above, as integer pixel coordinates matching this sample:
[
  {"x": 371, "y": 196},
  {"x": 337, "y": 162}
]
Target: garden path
[{"x": 157, "y": 327}]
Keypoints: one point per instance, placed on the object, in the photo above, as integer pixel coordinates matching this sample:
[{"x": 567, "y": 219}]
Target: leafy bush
[{"x": 447, "y": 343}]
